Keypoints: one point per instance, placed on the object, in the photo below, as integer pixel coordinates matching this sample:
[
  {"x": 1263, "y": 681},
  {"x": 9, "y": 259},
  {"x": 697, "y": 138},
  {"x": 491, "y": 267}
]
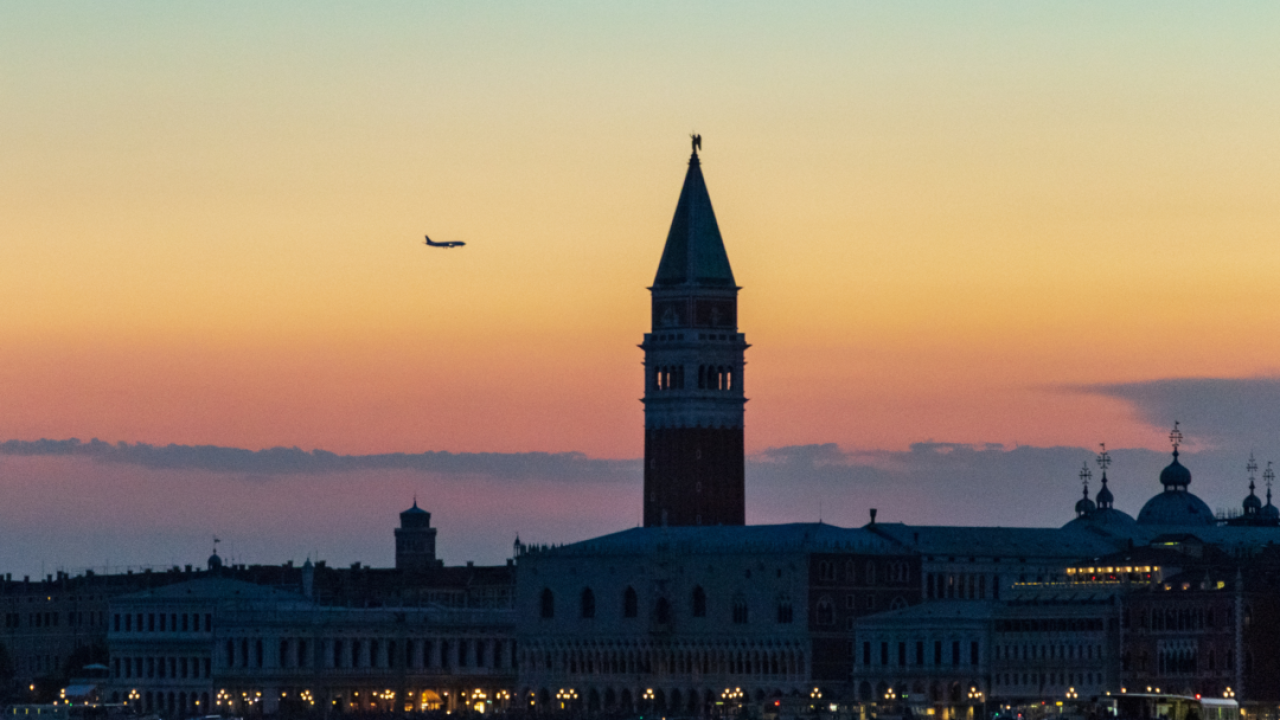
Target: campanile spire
[{"x": 694, "y": 402}]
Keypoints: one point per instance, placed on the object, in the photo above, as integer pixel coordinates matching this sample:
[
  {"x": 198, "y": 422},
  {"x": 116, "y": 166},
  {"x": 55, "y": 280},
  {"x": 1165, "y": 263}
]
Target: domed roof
[
  {"x": 215, "y": 562},
  {"x": 1084, "y": 506},
  {"x": 415, "y": 510},
  {"x": 1270, "y": 512},
  {"x": 1175, "y": 475},
  {"x": 1175, "y": 507},
  {"x": 1251, "y": 503},
  {"x": 1112, "y": 517},
  {"x": 1105, "y": 498}
]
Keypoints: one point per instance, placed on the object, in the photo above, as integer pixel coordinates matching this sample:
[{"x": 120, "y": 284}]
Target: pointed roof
[{"x": 694, "y": 254}]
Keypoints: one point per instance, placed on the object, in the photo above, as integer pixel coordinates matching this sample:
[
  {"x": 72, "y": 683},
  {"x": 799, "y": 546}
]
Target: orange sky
[{"x": 940, "y": 217}]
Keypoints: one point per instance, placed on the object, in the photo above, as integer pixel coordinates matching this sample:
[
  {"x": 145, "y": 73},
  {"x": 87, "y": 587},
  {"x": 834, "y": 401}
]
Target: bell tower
[{"x": 693, "y": 358}]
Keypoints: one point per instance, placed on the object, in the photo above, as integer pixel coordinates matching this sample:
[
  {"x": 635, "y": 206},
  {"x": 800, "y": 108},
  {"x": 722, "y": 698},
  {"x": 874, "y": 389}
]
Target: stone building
[{"x": 673, "y": 618}]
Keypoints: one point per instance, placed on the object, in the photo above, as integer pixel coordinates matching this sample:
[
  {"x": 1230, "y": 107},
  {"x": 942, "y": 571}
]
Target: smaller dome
[
  {"x": 1084, "y": 506},
  {"x": 215, "y": 562},
  {"x": 1252, "y": 504},
  {"x": 1175, "y": 475},
  {"x": 1105, "y": 498},
  {"x": 1270, "y": 512}
]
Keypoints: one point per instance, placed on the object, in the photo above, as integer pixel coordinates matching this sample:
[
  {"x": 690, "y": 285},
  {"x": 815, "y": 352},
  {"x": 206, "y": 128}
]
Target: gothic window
[
  {"x": 702, "y": 377},
  {"x": 785, "y": 612},
  {"x": 548, "y": 604},
  {"x": 699, "y": 602},
  {"x": 588, "y": 604},
  {"x": 826, "y": 571},
  {"x": 825, "y": 612},
  {"x": 662, "y": 611},
  {"x": 630, "y": 603},
  {"x": 870, "y": 576},
  {"x": 740, "y": 609}
]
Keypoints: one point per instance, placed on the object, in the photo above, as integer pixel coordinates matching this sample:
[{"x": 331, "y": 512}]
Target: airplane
[{"x": 445, "y": 244}]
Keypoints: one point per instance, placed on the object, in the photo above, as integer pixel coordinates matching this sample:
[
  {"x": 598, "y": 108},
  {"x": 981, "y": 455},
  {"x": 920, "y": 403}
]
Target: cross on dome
[
  {"x": 1104, "y": 458},
  {"x": 1175, "y": 437},
  {"x": 1085, "y": 477},
  {"x": 1252, "y": 467}
]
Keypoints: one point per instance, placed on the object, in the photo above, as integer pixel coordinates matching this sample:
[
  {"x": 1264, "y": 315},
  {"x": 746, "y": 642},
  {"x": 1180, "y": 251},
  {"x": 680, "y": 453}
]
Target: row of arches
[
  {"x": 740, "y": 609},
  {"x": 693, "y": 700},
  {"x": 695, "y": 662},
  {"x": 710, "y": 377},
  {"x": 937, "y": 691},
  {"x": 174, "y": 703}
]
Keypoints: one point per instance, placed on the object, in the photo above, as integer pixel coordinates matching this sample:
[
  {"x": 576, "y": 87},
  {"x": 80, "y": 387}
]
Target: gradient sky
[{"x": 987, "y": 222}]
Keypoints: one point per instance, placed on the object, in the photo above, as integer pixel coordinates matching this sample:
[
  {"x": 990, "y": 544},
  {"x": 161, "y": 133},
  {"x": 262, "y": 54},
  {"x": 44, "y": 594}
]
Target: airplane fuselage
[{"x": 446, "y": 244}]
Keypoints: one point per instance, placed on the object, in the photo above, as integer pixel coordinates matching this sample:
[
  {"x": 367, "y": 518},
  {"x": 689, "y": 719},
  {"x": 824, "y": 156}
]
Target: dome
[
  {"x": 1105, "y": 498},
  {"x": 1270, "y": 512},
  {"x": 1112, "y": 517},
  {"x": 1251, "y": 503},
  {"x": 1175, "y": 475},
  {"x": 215, "y": 562},
  {"x": 1084, "y": 506},
  {"x": 1175, "y": 507}
]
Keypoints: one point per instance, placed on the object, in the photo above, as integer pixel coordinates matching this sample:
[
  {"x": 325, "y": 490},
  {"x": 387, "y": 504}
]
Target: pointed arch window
[
  {"x": 785, "y": 611},
  {"x": 547, "y": 602},
  {"x": 587, "y": 603},
  {"x": 662, "y": 611},
  {"x": 630, "y": 603},
  {"x": 699, "y": 602},
  {"x": 740, "y": 611},
  {"x": 825, "y": 612}
]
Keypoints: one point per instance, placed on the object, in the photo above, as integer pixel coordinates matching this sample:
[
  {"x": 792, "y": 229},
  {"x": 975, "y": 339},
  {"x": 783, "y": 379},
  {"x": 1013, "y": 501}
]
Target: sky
[{"x": 975, "y": 240}]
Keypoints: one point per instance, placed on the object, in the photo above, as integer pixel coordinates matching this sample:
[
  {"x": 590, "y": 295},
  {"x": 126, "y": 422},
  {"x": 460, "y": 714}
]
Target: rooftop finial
[
  {"x": 1104, "y": 458},
  {"x": 1268, "y": 477},
  {"x": 697, "y": 143},
  {"x": 1085, "y": 476},
  {"x": 1175, "y": 437},
  {"x": 1252, "y": 467}
]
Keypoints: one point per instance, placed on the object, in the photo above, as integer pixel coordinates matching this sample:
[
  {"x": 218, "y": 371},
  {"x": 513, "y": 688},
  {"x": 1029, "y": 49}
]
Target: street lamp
[
  {"x": 566, "y": 696},
  {"x": 1072, "y": 694},
  {"x": 1229, "y": 693}
]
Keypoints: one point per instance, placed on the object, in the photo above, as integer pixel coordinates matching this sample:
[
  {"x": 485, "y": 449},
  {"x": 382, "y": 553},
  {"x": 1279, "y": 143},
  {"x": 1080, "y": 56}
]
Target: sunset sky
[{"x": 1013, "y": 226}]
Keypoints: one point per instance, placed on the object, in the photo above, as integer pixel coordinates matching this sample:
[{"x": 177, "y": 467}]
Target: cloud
[
  {"x": 1237, "y": 414},
  {"x": 572, "y": 466},
  {"x": 139, "y": 504}
]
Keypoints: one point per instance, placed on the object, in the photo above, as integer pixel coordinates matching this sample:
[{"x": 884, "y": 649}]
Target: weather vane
[
  {"x": 697, "y": 142},
  {"x": 1175, "y": 437},
  {"x": 1104, "y": 458}
]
